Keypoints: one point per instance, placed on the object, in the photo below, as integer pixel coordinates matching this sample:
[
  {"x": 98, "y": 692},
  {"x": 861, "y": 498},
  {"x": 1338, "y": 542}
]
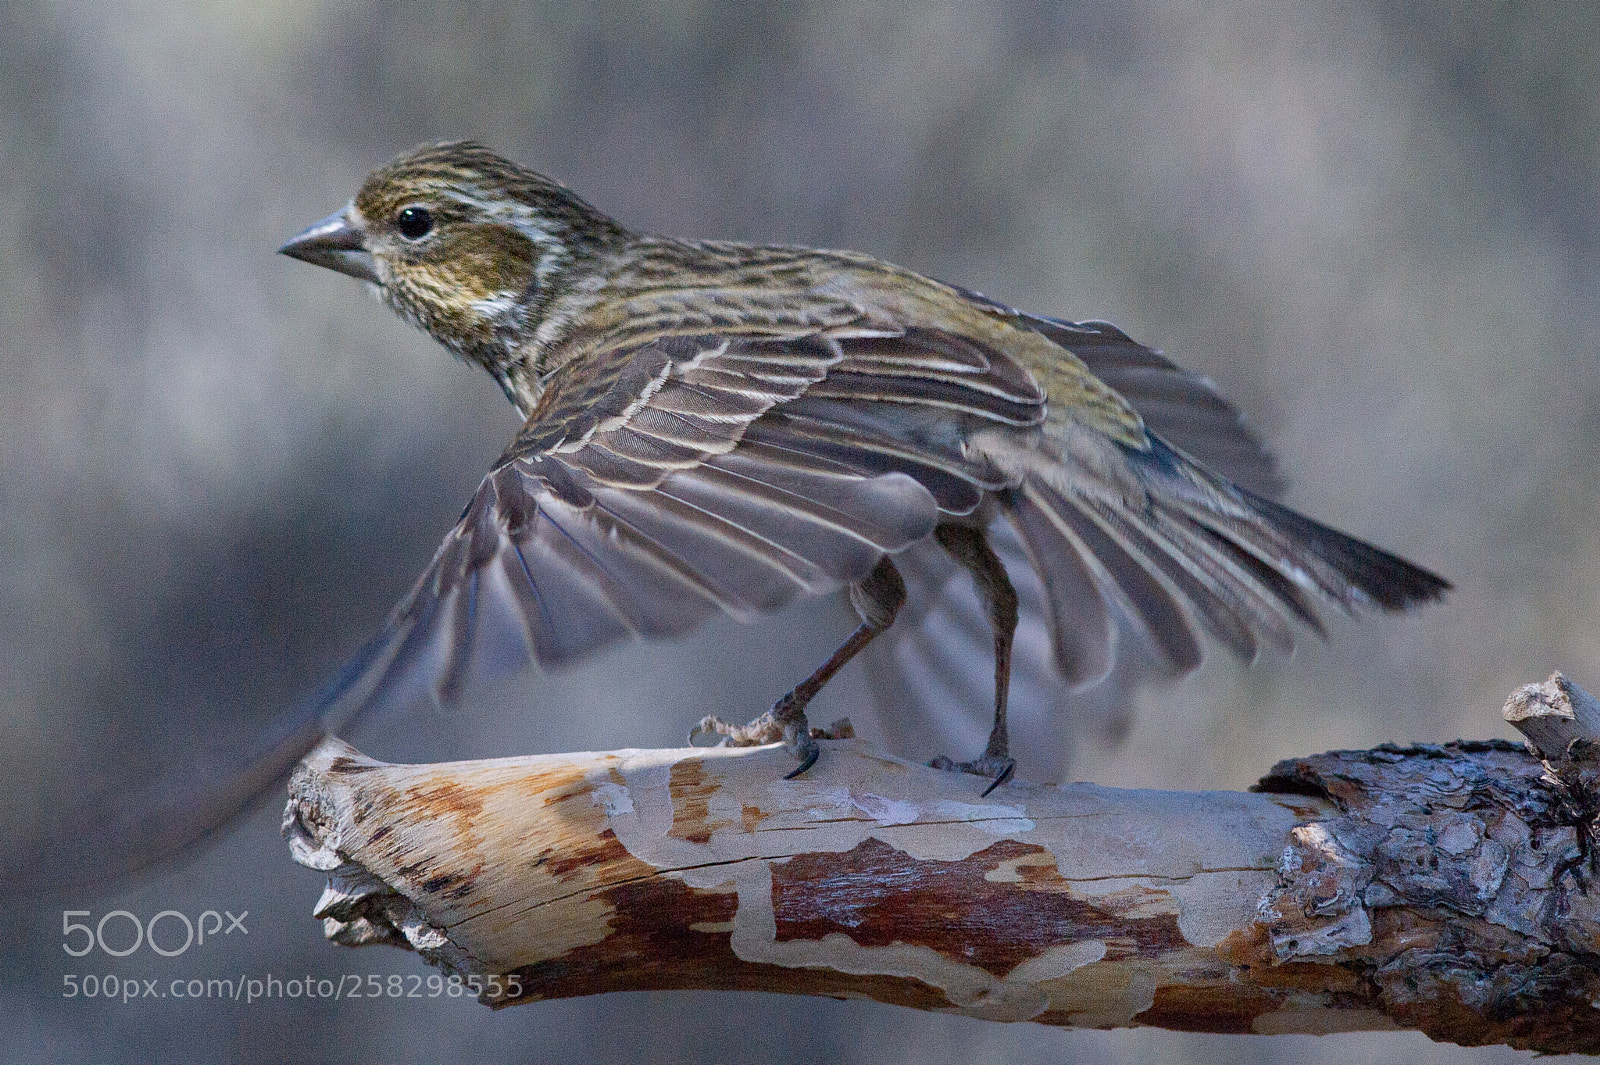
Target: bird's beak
[{"x": 337, "y": 243}]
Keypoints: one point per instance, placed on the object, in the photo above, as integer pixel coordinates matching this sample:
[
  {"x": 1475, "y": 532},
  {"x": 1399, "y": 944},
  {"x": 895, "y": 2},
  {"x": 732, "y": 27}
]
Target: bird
[
  {"x": 718, "y": 427},
  {"x": 713, "y": 427}
]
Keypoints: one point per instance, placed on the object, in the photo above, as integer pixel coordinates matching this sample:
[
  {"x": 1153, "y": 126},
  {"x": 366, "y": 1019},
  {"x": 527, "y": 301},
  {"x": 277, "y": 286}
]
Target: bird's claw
[
  {"x": 998, "y": 769},
  {"x": 807, "y": 753},
  {"x": 783, "y": 723}
]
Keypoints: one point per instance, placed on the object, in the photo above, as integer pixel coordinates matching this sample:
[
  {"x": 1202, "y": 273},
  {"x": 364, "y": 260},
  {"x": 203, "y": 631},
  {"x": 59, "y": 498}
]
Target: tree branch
[{"x": 1448, "y": 888}]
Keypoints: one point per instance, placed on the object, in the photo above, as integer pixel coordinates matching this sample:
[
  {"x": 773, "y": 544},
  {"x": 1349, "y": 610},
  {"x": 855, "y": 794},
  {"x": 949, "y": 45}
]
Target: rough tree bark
[{"x": 1449, "y": 889}]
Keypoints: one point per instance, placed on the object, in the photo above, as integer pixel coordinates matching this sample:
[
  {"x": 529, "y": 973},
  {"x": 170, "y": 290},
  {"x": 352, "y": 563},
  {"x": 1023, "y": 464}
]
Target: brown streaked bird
[
  {"x": 718, "y": 427},
  {"x": 714, "y": 427}
]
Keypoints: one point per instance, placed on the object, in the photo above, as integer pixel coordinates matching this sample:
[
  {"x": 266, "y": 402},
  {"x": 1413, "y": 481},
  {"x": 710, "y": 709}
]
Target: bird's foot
[
  {"x": 996, "y": 768},
  {"x": 782, "y": 723},
  {"x": 763, "y": 730}
]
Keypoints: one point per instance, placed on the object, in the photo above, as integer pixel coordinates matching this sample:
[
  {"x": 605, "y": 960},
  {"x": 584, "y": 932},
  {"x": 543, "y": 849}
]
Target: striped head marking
[{"x": 469, "y": 245}]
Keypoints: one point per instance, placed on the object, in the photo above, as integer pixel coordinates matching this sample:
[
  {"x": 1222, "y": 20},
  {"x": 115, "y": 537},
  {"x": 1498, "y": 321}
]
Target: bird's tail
[
  {"x": 1175, "y": 542},
  {"x": 108, "y": 837},
  {"x": 112, "y": 836}
]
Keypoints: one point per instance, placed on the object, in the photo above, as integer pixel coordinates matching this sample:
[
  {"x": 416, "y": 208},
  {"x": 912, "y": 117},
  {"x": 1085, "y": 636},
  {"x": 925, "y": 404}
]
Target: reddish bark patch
[
  {"x": 1223, "y": 1007},
  {"x": 606, "y": 849},
  {"x": 1247, "y": 947},
  {"x": 878, "y": 895},
  {"x": 557, "y": 786},
  {"x": 455, "y": 886},
  {"x": 652, "y": 947},
  {"x": 691, "y": 802},
  {"x": 1343, "y": 980},
  {"x": 691, "y": 792},
  {"x": 442, "y": 798}
]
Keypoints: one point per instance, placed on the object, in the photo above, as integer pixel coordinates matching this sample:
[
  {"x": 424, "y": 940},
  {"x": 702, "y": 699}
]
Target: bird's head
[{"x": 463, "y": 243}]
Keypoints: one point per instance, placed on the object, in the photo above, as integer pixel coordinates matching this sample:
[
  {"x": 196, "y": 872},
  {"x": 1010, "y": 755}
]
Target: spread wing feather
[
  {"x": 1130, "y": 551},
  {"x": 655, "y": 486},
  {"x": 1178, "y": 405},
  {"x": 1183, "y": 407}
]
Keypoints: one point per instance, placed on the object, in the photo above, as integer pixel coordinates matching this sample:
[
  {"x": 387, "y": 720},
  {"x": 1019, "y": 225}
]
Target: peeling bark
[{"x": 1448, "y": 889}]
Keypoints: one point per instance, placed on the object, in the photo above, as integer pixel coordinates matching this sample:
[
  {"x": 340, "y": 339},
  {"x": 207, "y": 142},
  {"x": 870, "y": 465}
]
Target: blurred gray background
[{"x": 1377, "y": 226}]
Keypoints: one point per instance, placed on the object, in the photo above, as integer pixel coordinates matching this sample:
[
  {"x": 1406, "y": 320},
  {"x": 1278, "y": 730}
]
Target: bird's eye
[{"x": 414, "y": 223}]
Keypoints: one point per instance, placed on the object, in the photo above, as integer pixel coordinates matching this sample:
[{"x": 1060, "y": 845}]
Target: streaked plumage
[
  {"x": 715, "y": 427},
  {"x": 720, "y": 427}
]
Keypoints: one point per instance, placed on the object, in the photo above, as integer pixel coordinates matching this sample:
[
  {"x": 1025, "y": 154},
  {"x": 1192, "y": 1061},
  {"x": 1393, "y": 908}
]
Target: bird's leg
[
  {"x": 877, "y": 598},
  {"x": 968, "y": 546}
]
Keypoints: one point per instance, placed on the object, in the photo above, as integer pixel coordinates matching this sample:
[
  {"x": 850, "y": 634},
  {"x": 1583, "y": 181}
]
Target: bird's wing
[
  {"x": 1182, "y": 407},
  {"x": 1121, "y": 556},
  {"x": 653, "y": 485},
  {"x": 656, "y": 485}
]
